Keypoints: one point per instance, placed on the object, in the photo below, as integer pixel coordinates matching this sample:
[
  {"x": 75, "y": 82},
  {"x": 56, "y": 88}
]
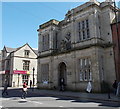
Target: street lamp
[
  {"x": 33, "y": 77},
  {"x": 18, "y": 79}
]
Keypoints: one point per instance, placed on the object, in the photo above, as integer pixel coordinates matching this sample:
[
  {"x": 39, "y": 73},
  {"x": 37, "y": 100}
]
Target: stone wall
[{"x": 98, "y": 47}]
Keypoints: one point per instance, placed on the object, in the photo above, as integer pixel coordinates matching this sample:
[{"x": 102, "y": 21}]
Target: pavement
[{"x": 78, "y": 95}]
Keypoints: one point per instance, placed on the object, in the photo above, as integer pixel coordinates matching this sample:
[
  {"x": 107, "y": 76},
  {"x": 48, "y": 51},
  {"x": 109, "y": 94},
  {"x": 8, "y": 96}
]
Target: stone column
[
  {"x": 51, "y": 71},
  {"x": 95, "y": 71}
]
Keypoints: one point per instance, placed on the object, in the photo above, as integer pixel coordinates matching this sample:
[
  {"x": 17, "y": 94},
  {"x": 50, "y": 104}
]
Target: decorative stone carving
[
  {"x": 68, "y": 36},
  {"x": 63, "y": 45}
]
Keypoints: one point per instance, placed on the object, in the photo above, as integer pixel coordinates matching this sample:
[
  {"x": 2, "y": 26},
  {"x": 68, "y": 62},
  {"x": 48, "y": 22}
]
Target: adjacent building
[
  {"x": 116, "y": 42},
  {"x": 19, "y": 65},
  {"x": 78, "y": 49}
]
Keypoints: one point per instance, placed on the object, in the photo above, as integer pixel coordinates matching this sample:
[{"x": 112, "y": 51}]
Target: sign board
[
  {"x": 20, "y": 72},
  {"x": 2, "y": 72},
  {"x": 45, "y": 82}
]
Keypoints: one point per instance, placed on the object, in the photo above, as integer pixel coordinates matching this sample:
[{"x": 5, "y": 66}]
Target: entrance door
[{"x": 62, "y": 73}]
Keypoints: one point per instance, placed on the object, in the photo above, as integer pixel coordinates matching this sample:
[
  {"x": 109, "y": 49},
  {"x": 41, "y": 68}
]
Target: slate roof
[
  {"x": 36, "y": 51},
  {"x": 9, "y": 50}
]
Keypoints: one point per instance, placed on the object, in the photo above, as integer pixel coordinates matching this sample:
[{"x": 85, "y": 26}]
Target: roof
[
  {"x": 8, "y": 49},
  {"x": 36, "y": 51},
  {"x": 29, "y": 46},
  {"x": 50, "y": 22}
]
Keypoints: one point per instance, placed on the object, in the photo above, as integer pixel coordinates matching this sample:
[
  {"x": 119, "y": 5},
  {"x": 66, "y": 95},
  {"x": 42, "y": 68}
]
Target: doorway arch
[{"x": 62, "y": 73}]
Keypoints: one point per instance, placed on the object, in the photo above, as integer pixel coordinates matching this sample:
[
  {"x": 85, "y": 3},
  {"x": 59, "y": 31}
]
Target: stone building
[
  {"x": 78, "y": 49},
  {"x": 18, "y": 64}
]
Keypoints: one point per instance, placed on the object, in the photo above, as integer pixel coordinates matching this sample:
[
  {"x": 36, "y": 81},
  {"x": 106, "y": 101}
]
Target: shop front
[{"x": 19, "y": 77}]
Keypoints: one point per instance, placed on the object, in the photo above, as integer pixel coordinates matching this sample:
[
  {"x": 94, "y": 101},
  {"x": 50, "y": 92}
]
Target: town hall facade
[{"x": 78, "y": 49}]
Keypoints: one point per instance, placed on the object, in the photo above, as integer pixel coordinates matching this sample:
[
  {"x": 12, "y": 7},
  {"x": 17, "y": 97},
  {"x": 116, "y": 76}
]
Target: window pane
[
  {"x": 88, "y": 34},
  {"x": 81, "y": 75},
  {"x": 79, "y": 26},
  {"x": 83, "y": 34},
  {"x": 90, "y": 76},
  {"x": 85, "y": 75},
  {"x": 83, "y": 25},
  {"x": 80, "y": 38},
  {"x": 87, "y": 25}
]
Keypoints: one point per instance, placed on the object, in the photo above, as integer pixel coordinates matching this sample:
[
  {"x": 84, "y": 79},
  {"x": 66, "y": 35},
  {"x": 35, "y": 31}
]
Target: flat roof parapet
[{"x": 51, "y": 22}]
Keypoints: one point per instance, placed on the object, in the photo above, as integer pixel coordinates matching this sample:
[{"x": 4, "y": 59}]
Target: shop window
[{"x": 25, "y": 78}]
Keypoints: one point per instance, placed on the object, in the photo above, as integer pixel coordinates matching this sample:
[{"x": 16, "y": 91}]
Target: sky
[{"x": 20, "y": 20}]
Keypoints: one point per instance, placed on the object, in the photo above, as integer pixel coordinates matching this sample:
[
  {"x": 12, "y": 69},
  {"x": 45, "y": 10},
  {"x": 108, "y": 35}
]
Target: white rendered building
[{"x": 18, "y": 64}]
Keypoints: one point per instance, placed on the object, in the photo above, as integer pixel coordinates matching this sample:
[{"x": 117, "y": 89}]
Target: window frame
[
  {"x": 25, "y": 78},
  {"x": 45, "y": 42},
  {"x": 26, "y": 53},
  {"x": 85, "y": 71},
  {"x": 26, "y": 65},
  {"x": 45, "y": 72},
  {"x": 83, "y": 30}
]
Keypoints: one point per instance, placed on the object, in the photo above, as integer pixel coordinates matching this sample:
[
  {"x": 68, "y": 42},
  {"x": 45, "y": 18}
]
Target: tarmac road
[{"x": 37, "y": 100}]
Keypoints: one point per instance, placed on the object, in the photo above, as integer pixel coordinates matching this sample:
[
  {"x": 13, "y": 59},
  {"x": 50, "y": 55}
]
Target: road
[{"x": 33, "y": 99}]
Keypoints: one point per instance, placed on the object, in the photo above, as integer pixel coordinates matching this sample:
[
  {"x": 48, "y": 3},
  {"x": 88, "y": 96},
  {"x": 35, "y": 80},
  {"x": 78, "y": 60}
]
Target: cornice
[{"x": 55, "y": 53}]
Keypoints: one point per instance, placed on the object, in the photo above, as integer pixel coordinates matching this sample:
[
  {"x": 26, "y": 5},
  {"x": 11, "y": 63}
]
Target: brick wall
[{"x": 116, "y": 42}]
